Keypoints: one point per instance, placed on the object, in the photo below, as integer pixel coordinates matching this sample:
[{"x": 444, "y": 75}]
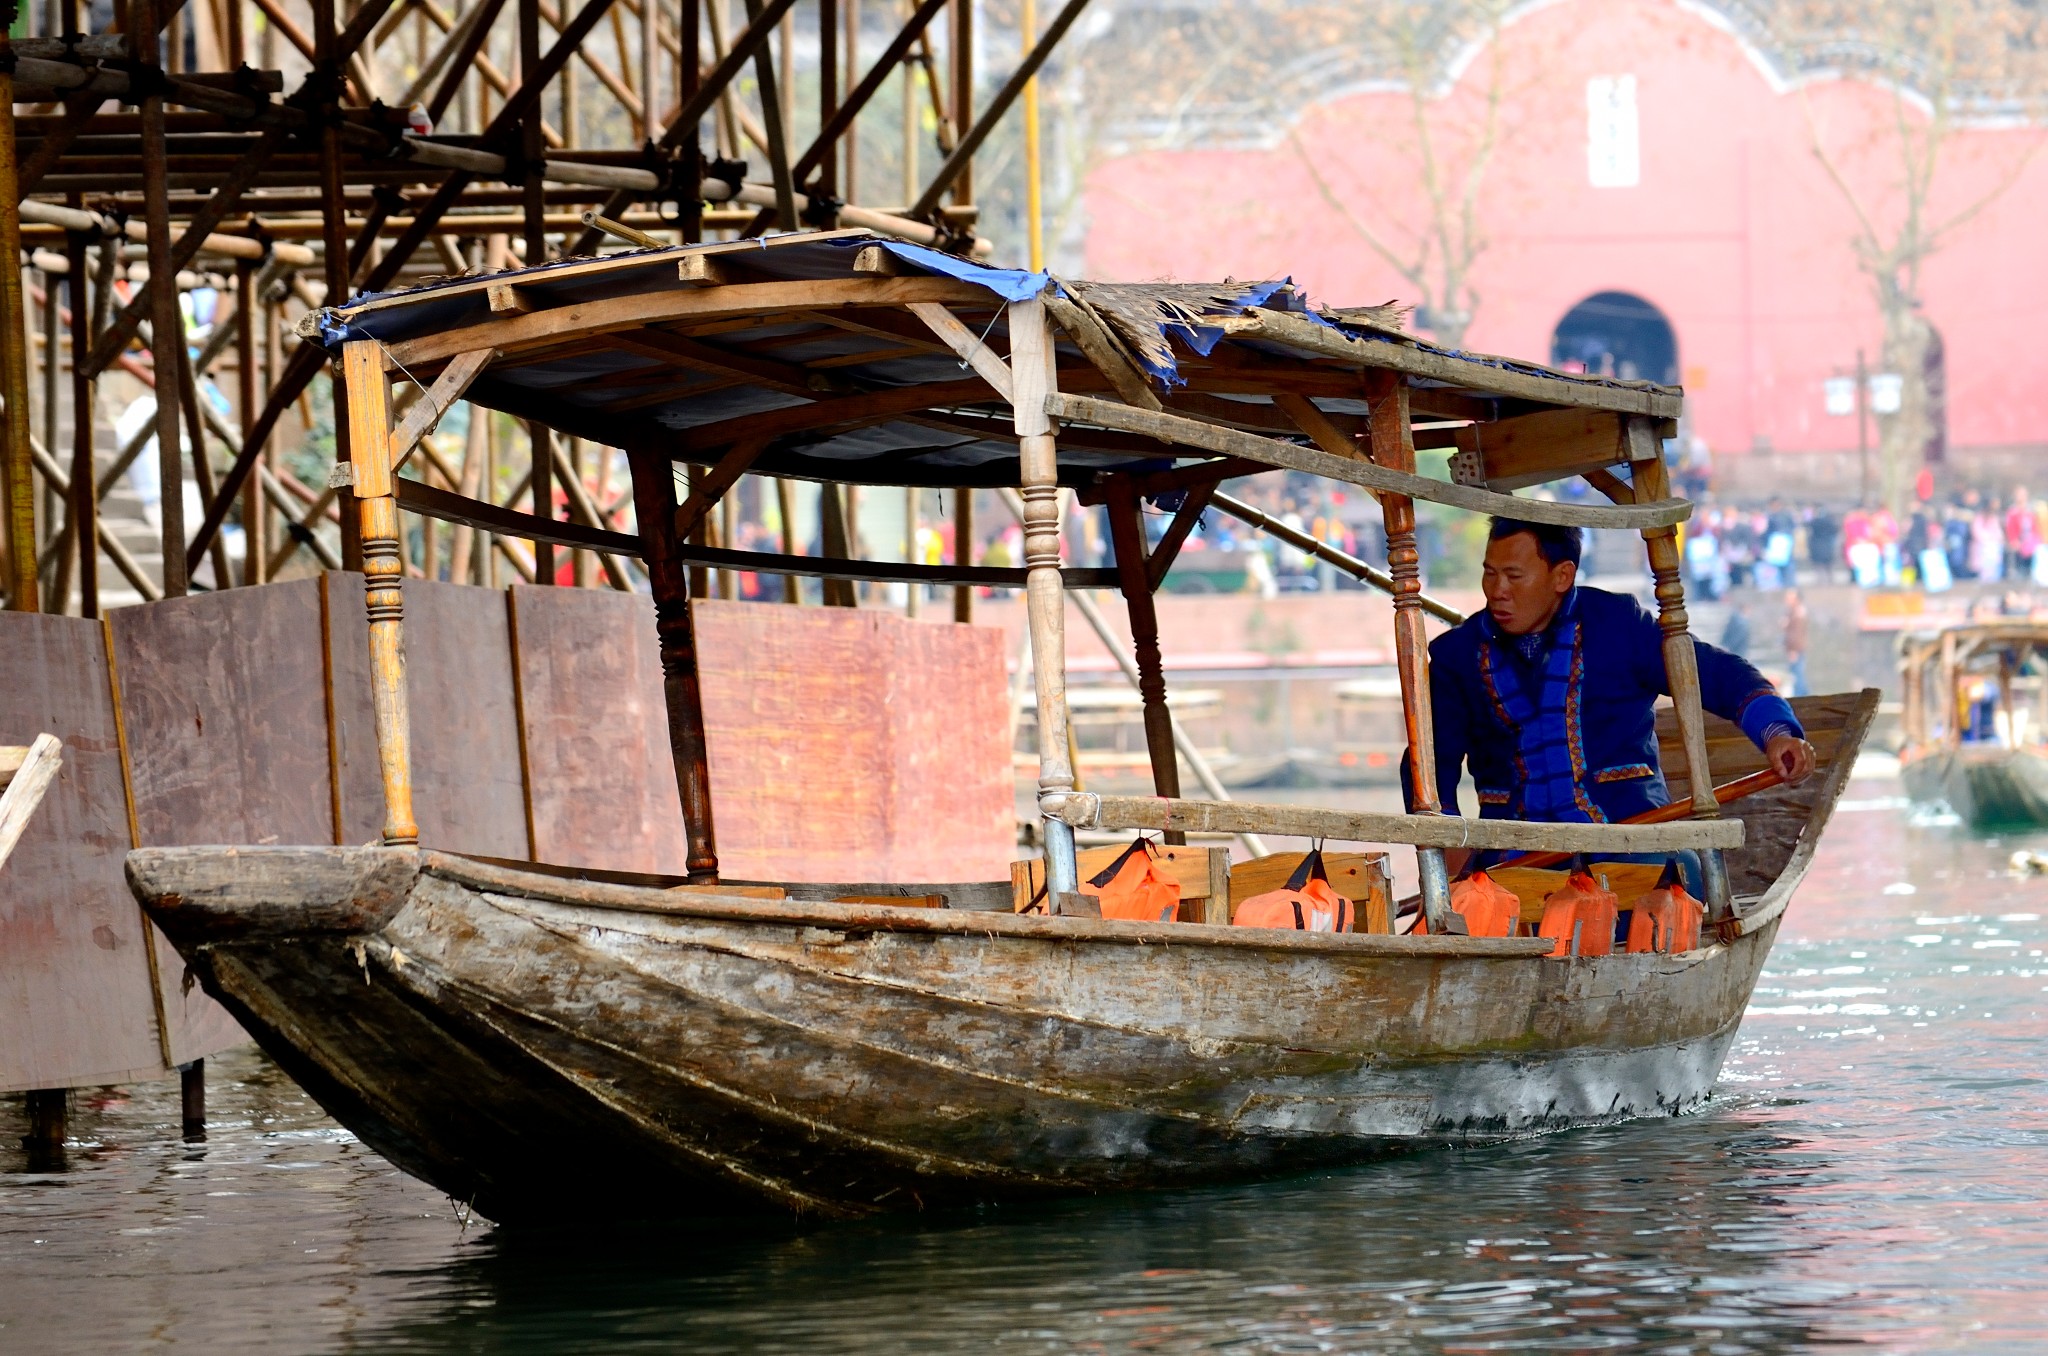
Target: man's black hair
[{"x": 1554, "y": 542}]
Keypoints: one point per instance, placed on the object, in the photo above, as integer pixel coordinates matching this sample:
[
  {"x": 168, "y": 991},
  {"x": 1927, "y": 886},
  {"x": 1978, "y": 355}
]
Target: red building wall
[{"x": 1734, "y": 230}]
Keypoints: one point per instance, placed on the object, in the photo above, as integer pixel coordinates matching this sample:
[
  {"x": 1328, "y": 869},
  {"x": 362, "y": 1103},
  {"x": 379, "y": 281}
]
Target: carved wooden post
[
  {"x": 1393, "y": 446},
  {"x": 1127, "y": 535},
  {"x": 1681, "y": 662},
  {"x": 362, "y": 362},
  {"x": 654, "y": 501},
  {"x": 1032, "y": 371}
]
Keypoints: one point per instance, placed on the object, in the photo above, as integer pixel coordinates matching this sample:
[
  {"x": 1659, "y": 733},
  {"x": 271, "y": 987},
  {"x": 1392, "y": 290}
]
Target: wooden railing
[{"x": 1087, "y": 810}]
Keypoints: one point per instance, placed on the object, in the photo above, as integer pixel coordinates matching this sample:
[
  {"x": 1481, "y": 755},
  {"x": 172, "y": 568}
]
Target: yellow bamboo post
[
  {"x": 1034, "y": 203},
  {"x": 362, "y": 362},
  {"x": 1393, "y": 446},
  {"x": 1031, "y": 366},
  {"x": 1648, "y": 476}
]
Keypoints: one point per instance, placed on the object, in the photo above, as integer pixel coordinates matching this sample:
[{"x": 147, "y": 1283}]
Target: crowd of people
[{"x": 1972, "y": 537}]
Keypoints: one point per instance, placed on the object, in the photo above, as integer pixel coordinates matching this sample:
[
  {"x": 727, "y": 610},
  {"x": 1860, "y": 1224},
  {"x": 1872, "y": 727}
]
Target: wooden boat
[
  {"x": 545, "y": 1042},
  {"x": 1974, "y": 721},
  {"x": 542, "y": 1045}
]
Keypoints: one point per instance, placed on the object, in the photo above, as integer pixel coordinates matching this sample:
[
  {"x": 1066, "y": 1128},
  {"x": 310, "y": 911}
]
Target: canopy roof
[{"x": 825, "y": 346}]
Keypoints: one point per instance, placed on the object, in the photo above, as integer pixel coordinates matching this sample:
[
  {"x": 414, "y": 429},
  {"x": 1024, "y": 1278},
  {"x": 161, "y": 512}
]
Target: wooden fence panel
[
  {"x": 469, "y": 792},
  {"x": 600, "y": 781},
  {"x": 75, "y": 1001}
]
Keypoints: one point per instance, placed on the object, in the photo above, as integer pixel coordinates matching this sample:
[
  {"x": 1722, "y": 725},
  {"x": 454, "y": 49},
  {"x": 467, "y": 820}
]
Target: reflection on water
[{"x": 1870, "y": 1174}]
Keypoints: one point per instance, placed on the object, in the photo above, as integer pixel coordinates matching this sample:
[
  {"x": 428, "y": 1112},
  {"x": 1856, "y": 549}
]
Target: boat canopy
[{"x": 854, "y": 358}]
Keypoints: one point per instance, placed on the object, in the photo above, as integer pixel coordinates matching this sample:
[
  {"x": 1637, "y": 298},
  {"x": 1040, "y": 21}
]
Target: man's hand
[{"x": 1791, "y": 757}]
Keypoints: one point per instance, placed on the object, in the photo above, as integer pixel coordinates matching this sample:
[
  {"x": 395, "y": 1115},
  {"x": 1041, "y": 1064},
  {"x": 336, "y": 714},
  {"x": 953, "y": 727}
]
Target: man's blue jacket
[{"x": 1614, "y": 739}]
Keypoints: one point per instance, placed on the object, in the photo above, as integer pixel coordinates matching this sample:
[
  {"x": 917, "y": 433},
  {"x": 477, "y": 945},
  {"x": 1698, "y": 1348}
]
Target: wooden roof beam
[{"x": 1231, "y": 442}]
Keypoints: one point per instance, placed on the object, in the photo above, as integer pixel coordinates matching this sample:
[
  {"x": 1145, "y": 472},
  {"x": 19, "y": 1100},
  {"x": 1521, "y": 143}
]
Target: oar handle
[{"x": 1664, "y": 814}]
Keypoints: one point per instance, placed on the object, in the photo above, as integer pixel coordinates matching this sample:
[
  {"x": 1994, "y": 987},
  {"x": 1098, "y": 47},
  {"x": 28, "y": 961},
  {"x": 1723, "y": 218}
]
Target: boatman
[{"x": 1549, "y": 694}]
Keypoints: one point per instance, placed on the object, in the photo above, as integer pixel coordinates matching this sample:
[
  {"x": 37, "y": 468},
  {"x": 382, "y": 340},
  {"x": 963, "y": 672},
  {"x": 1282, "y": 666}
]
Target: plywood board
[
  {"x": 855, "y": 745},
  {"x": 224, "y": 696},
  {"x": 953, "y": 814},
  {"x": 601, "y": 783},
  {"x": 468, "y": 792},
  {"x": 225, "y": 701},
  {"x": 358, "y": 782},
  {"x": 75, "y": 1000}
]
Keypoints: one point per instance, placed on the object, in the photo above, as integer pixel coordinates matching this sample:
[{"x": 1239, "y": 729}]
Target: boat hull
[{"x": 542, "y": 1049}]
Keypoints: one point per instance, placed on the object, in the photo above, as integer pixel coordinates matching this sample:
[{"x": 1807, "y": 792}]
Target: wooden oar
[{"x": 1664, "y": 814}]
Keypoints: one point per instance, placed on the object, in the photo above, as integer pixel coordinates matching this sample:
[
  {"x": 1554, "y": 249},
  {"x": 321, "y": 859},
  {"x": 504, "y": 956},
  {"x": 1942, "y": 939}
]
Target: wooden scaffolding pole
[
  {"x": 17, "y": 485},
  {"x": 85, "y": 502}
]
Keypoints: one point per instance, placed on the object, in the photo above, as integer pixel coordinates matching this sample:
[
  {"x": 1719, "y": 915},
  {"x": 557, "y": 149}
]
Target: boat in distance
[
  {"x": 541, "y": 1043},
  {"x": 1974, "y": 721}
]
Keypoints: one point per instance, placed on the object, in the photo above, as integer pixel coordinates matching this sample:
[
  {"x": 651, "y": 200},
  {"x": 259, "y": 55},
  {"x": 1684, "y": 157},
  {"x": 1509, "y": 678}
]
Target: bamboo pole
[
  {"x": 17, "y": 484},
  {"x": 1032, "y": 370},
  {"x": 1034, "y": 201},
  {"x": 255, "y": 540},
  {"x": 85, "y": 516},
  {"x": 167, "y": 326},
  {"x": 383, "y": 580}
]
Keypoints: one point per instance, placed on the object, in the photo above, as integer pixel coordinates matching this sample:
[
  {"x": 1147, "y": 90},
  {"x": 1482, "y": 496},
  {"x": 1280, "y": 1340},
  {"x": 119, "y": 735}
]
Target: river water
[{"x": 1870, "y": 1173}]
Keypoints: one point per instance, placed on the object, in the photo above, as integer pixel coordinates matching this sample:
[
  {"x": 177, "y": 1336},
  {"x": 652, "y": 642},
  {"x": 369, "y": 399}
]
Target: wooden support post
[
  {"x": 1032, "y": 371},
  {"x": 1127, "y": 536},
  {"x": 1681, "y": 662},
  {"x": 913, "y": 593},
  {"x": 654, "y": 502},
  {"x": 785, "y": 508},
  {"x": 383, "y": 578},
  {"x": 540, "y": 443},
  {"x": 85, "y": 501},
  {"x": 1393, "y": 446},
  {"x": 46, "y": 1106},
  {"x": 192, "y": 1098},
  {"x": 690, "y": 74},
  {"x": 834, "y": 536},
  {"x": 963, "y": 553}
]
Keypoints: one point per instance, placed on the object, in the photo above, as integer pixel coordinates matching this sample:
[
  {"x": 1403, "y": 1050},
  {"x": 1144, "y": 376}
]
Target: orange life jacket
[
  {"x": 1133, "y": 887},
  {"x": 1307, "y": 903},
  {"x": 1489, "y": 908},
  {"x": 1667, "y": 918},
  {"x": 1583, "y": 906}
]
